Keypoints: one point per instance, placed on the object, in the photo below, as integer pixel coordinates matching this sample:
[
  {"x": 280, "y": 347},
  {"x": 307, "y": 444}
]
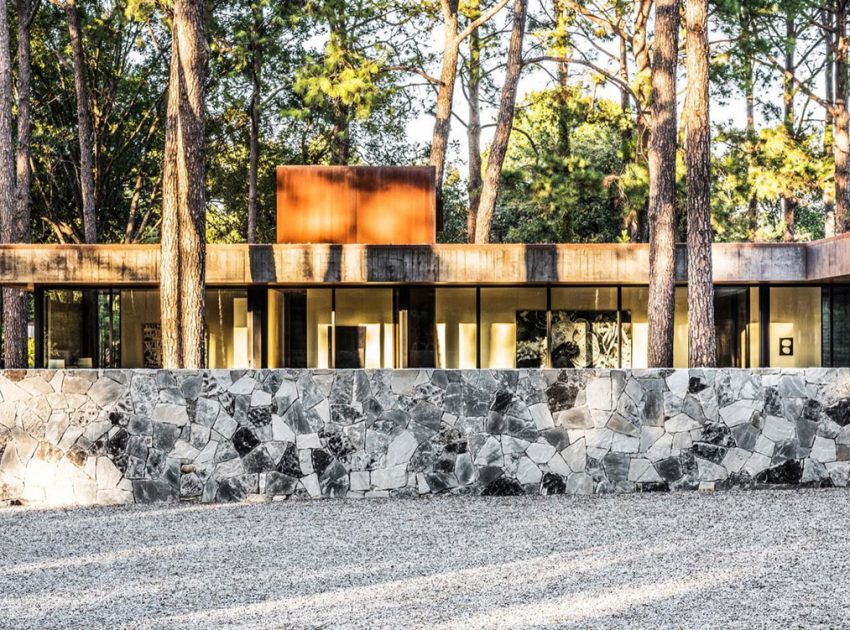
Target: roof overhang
[{"x": 821, "y": 261}]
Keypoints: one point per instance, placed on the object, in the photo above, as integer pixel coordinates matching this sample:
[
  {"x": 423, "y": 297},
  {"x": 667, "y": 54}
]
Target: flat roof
[{"x": 826, "y": 260}]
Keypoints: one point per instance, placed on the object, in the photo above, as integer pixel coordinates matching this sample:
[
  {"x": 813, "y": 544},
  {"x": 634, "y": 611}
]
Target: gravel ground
[{"x": 731, "y": 559}]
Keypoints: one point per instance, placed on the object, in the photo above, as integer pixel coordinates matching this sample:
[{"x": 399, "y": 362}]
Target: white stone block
[
  {"x": 359, "y": 480},
  {"x": 625, "y": 444},
  {"x": 527, "y": 472},
  {"x": 259, "y": 398},
  {"x": 172, "y": 414},
  {"x": 575, "y": 455},
  {"x": 308, "y": 440},
  {"x": 542, "y": 416},
  {"x": 281, "y": 431},
  {"x": 599, "y": 394},
  {"x": 823, "y": 450},
  {"x": 642, "y": 471},
  {"x": 777, "y": 429},
  {"x": 401, "y": 449},
  {"x": 734, "y": 459},
  {"x": 540, "y": 453},
  {"x": 107, "y": 475},
  {"x": 388, "y": 478}
]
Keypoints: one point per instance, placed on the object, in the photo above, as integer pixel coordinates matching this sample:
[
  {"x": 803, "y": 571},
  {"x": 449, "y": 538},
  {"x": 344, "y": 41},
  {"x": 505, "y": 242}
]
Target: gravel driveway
[{"x": 733, "y": 559}]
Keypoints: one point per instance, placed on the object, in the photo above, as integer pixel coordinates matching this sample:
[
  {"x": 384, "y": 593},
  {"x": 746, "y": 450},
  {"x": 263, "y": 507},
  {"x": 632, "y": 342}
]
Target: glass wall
[
  {"x": 141, "y": 332},
  {"x": 442, "y": 327},
  {"x": 836, "y": 326},
  {"x": 364, "y": 330},
  {"x": 299, "y": 328},
  {"x": 795, "y": 327},
  {"x": 437, "y": 327},
  {"x": 229, "y": 343},
  {"x": 71, "y": 327},
  {"x": 732, "y": 326},
  {"x": 513, "y": 327},
  {"x": 634, "y": 306},
  {"x": 585, "y": 325},
  {"x": 457, "y": 328}
]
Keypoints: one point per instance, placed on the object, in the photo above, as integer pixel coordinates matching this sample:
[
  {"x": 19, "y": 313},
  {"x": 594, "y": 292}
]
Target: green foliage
[
  {"x": 126, "y": 75},
  {"x": 766, "y": 167},
  {"x": 582, "y": 195}
]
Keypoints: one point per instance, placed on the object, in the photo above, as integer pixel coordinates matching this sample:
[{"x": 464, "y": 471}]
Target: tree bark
[
  {"x": 841, "y": 139},
  {"x": 504, "y": 124},
  {"x": 662, "y": 186},
  {"x": 84, "y": 124},
  {"x": 829, "y": 119},
  {"x": 643, "y": 71},
  {"x": 562, "y": 46},
  {"x": 639, "y": 222},
  {"x": 789, "y": 201},
  {"x": 183, "y": 244},
  {"x": 750, "y": 98},
  {"x": 473, "y": 128},
  {"x": 445, "y": 94},
  {"x": 15, "y": 351},
  {"x": 254, "y": 133},
  {"x": 702, "y": 341},
  {"x": 11, "y": 341}
]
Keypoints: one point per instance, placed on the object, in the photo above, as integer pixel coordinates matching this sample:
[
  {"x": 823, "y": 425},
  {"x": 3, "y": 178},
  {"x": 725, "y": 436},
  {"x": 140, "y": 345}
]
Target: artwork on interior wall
[
  {"x": 530, "y": 339},
  {"x": 588, "y": 339},
  {"x": 151, "y": 345}
]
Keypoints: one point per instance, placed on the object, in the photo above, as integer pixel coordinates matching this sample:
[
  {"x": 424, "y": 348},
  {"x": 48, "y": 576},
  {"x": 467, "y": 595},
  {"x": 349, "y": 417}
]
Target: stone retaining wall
[{"x": 118, "y": 436}]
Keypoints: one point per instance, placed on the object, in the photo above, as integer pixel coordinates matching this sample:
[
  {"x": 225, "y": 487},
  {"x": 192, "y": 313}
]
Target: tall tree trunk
[
  {"x": 750, "y": 98},
  {"x": 254, "y": 133},
  {"x": 183, "y": 209},
  {"x": 504, "y": 124},
  {"x": 702, "y": 341},
  {"x": 789, "y": 201},
  {"x": 562, "y": 46},
  {"x": 11, "y": 343},
  {"x": 829, "y": 121},
  {"x": 473, "y": 128},
  {"x": 15, "y": 353},
  {"x": 662, "y": 186},
  {"x": 84, "y": 125},
  {"x": 445, "y": 94},
  {"x": 643, "y": 73},
  {"x": 841, "y": 140},
  {"x": 639, "y": 222}
]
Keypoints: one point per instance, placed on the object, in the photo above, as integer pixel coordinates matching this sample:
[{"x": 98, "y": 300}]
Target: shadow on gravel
[{"x": 674, "y": 560}]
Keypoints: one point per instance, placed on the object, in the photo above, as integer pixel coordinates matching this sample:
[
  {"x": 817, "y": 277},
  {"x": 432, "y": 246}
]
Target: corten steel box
[{"x": 374, "y": 205}]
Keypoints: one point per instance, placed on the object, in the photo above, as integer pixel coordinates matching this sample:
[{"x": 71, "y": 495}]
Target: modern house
[{"x": 358, "y": 280}]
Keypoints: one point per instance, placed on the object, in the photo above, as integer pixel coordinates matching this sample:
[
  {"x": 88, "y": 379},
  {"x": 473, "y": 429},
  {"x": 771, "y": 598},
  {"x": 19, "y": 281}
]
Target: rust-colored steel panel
[{"x": 373, "y": 205}]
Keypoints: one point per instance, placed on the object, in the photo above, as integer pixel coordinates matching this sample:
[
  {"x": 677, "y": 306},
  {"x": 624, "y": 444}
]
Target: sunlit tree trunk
[
  {"x": 750, "y": 100},
  {"x": 789, "y": 202},
  {"x": 662, "y": 186},
  {"x": 504, "y": 124},
  {"x": 829, "y": 119},
  {"x": 562, "y": 45},
  {"x": 254, "y": 132},
  {"x": 639, "y": 223},
  {"x": 841, "y": 139},
  {"x": 640, "y": 49},
  {"x": 183, "y": 209},
  {"x": 445, "y": 93},
  {"x": 11, "y": 343},
  {"x": 702, "y": 342},
  {"x": 473, "y": 129},
  {"x": 15, "y": 353},
  {"x": 84, "y": 131}
]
